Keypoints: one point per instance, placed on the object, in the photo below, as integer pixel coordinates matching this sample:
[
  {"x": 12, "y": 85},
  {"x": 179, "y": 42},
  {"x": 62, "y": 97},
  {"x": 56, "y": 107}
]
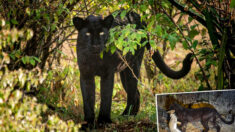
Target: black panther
[
  {"x": 204, "y": 115},
  {"x": 92, "y": 39}
]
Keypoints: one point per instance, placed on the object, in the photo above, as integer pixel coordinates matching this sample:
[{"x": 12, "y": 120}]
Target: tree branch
[{"x": 193, "y": 15}]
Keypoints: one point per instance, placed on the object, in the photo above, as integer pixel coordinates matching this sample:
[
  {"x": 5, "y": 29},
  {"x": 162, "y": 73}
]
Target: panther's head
[
  {"x": 175, "y": 106},
  {"x": 93, "y": 32}
]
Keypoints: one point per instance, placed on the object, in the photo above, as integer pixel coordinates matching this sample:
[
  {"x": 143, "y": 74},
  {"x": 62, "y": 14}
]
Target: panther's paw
[
  {"x": 104, "y": 120},
  {"x": 131, "y": 111},
  {"x": 87, "y": 126}
]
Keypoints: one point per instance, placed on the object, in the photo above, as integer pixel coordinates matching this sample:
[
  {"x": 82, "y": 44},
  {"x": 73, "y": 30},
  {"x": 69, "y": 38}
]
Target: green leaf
[
  {"x": 201, "y": 88},
  {"x": 28, "y": 86},
  {"x": 150, "y": 26},
  {"x": 126, "y": 50},
  {"x": 144, "y": 43},
  {"x": 220, "y": 83},
  {"x": 132, "y": 51},
  {"x": 165, "y": 4},
  {"x": 232, "y": 5},
  {"x": 112, "y": 49},
  {"x": 143, "y": 8},
  {"x": 23, "y": 59},
  {"x": 210, "y": 62},
  {"x": 12, "y": 56},
  {"x": 102, "y": 55},
  {"x": 193, "y": 33},
  {"x": 138, "y": 37},
  {"x": 123, "y": 14},
  {"x": 172, "y": 39},
  {"x": 59, "y": 51},
  {"x": 193, "y": 26},
  {"x": 159, "y": 30},
  {"x": 185, "y": 45},
  {"x": 32, "y": 61},
  {"x": 194, "y": 45},
  {"x": 119, "y": 43},
  {"x": 17, "y": 54},
  {"x": 13, "y": 21},
  {"x": 204, "y": 32},
  {"x": 115, "y": 13},
  {"x": 151, "y": 2},
  {"x": 211, "y": 29},
  {"x": 152, "y": 44},
  {"x": 190, "y": 19},
  {"x": 27, "y": 59},
  {"x": 37, "y": 59},
  {"x": 27, "y": 10},
  {"x": 53, "y": 27}
]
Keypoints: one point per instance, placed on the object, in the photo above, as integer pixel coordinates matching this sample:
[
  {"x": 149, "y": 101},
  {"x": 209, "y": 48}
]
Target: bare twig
[
  {"x": 125, "y": 61},
  {"x": 87, "y": 12},
  {"x": 59, "y": 44}
]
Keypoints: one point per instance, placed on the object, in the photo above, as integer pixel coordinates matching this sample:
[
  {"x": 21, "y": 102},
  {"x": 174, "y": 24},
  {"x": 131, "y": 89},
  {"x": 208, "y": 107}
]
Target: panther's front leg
[
  {"x": 182, "y": 126},
  {"x": 88, "y": 94},
  {"x": 106, "y": 98}
]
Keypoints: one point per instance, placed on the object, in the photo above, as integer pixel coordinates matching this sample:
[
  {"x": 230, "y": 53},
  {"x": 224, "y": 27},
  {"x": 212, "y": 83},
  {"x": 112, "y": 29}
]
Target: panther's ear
[
  {"x": 108, "y": 21},
  {"x": 78, "y": 22}
]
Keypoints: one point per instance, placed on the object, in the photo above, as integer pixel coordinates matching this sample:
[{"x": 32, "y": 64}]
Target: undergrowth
[{"x": 52, "y": 100}]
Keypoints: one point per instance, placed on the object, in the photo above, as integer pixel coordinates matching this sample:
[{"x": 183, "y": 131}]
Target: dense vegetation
[{"x": 39, "y": 85}]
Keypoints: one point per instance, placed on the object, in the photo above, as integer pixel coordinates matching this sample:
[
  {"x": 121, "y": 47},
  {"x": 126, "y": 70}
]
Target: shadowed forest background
[{"x": 39, "y": 76}]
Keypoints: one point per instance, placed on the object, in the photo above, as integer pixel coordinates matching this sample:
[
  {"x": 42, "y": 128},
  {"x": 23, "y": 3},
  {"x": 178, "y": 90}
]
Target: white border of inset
[{"x": 184, "y": 93}]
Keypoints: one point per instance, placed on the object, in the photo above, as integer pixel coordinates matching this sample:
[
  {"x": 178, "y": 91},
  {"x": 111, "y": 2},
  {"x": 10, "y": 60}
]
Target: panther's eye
[
  {"x": 101, "y": 33},
  {"x": 88, "y": 34}
]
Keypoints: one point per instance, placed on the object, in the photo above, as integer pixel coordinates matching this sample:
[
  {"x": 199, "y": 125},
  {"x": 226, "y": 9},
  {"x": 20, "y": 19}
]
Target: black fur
[
  {"x": 92, "y": 39},
  {"x": 204, "y": 115}
]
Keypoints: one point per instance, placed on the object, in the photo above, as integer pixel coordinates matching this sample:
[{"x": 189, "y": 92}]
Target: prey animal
[{"x": 173, "y": 121}]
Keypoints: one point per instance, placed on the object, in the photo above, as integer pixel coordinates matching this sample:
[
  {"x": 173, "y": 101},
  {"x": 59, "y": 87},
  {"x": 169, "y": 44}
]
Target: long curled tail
[
  {"x": 226, "y": 122},
  {"x": 135, "y": 18},
  {"x": 157, "y": 58}
]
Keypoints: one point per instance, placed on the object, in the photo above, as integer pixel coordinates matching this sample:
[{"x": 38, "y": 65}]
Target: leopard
[
  {"x": 92, "y": 39},
  {"x": 203, "y": 115}
]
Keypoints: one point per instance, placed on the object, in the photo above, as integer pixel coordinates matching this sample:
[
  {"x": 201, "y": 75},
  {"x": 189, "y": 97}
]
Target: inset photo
[{"x": 207, "y": 111}]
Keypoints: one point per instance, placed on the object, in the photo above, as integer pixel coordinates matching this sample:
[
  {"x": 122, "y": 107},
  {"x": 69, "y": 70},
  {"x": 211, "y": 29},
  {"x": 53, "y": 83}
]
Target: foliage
[
  {"x": 19, "y": 112},
  {"x": 126, "y": 38},
  {"x": 42, "y": 26},
  {"x": 232, "y": 5},
  {"x": 218, "y": 18},
  {"x": 181, "y": 28}
]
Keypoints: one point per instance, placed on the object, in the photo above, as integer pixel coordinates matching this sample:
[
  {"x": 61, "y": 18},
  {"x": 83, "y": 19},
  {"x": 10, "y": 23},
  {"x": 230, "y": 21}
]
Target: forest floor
[
  {"x": 57, "y": 103},
  {"x": 146, "y": 118}
]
